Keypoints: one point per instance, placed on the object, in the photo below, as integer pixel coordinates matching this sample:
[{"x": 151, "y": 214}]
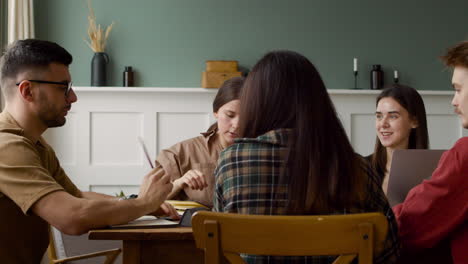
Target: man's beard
[{"x": 48, "y": 115}]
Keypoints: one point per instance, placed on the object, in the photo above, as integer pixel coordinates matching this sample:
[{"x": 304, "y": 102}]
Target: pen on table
[{"x": 145, "y": 151}]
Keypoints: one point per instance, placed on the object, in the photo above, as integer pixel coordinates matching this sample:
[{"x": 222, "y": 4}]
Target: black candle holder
[{"x": 355, "y": 79}]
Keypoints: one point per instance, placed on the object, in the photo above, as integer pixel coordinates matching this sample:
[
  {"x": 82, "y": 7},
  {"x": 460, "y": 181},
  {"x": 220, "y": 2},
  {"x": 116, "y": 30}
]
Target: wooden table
[{"x": 158, "y": 245}]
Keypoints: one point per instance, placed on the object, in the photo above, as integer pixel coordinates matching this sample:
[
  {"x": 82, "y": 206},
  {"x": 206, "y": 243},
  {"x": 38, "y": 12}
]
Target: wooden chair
[
  {"x": 57, "y": 252},
  {"x": 349, "y": 236}
]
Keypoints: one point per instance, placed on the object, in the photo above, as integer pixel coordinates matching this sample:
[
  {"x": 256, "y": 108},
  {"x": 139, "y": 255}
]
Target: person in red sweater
[{"x": 432, "y": 220}]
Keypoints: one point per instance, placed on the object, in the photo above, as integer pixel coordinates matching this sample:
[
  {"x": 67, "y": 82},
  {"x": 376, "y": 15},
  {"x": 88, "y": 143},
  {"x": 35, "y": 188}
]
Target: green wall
[
  {"x": 168, "y": 41},
  {"x": 3, "y": 24}
]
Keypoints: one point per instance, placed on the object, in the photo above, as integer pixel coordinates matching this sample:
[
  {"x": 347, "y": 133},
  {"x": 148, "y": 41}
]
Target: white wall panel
[
  {"x": 175, "y": 127},
  {"x": 363, "y": 133},
  {"x": 114, "y": 137},
  {"x": 440, "y": 134}
]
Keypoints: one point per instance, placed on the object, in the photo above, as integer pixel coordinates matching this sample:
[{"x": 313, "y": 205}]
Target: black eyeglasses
[{"x": 66, "y": 84}]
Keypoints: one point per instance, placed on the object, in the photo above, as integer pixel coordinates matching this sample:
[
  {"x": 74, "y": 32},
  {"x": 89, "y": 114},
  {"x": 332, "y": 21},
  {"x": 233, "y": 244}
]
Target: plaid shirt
[{"x": 247, "y": 179}]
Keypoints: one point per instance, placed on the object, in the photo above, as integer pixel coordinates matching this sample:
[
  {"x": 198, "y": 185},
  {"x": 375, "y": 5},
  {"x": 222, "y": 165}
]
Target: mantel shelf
[{"x": 207, "y": 90}]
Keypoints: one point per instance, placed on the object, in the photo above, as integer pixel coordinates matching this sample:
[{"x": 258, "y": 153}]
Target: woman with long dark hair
[
  {"x": 400, "y": 123},
  {"x": 191, "y": 163},
  {"x": 294, "y": 157}
]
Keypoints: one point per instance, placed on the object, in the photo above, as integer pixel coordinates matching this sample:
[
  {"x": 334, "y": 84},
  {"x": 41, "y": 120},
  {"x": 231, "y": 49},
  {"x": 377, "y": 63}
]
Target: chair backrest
[
  {"x": 349, "y": 236},
  {"x": 71, "y": 249}
]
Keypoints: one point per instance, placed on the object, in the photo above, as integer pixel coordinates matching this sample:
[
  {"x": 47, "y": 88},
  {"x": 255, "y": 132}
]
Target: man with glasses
[{"x": 34, "y": 189}]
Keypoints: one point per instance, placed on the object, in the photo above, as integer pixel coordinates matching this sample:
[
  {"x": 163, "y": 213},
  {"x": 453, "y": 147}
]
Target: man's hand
[
  {"x": 193, "y": 179},
  {"x": 154, "y": 189},
  {"x": 167, "y": 209}
]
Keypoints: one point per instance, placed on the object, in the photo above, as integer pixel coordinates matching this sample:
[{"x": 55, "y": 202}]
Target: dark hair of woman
[
  {"x": 410, "y": 100},
  {"x": 229, "y": 91},
  {"x": 285, "y": 90}
]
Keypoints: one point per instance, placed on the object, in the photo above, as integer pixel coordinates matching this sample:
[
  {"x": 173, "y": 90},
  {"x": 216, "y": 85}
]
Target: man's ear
[{"x": 25, "y": 90}]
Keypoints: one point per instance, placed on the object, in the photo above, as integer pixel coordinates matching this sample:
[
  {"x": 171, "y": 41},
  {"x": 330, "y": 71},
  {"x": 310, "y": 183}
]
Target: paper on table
[
  {"x": 185, "y": 204},
  {"x": 181, "y": 206},
  {"x": 148, "y": 221}
]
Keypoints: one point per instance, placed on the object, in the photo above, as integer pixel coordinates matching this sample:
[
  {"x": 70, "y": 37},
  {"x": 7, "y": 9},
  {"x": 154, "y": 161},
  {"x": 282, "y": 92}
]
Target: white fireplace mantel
[
  {"x": 207, "y": 90},
  {"x": 98, "y": 146}
]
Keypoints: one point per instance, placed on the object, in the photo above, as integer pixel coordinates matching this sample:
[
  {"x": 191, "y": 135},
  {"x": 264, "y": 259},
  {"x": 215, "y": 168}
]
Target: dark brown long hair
[
  {"x": 412, "y": 102},
  {"x": 229, "y": 91},
  {"x": 284, "y": 90}
]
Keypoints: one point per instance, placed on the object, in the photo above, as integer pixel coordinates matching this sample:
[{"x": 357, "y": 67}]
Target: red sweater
[{"x": 432, "y": 221}]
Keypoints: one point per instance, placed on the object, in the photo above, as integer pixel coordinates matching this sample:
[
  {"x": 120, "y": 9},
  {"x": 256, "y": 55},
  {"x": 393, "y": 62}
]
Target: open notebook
[
  {"x": 181, "y": 206},
  {"x": 148, "y": 221}
]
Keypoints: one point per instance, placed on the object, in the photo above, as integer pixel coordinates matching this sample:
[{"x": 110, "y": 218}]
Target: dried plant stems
[{"x": 97, "y": 37}]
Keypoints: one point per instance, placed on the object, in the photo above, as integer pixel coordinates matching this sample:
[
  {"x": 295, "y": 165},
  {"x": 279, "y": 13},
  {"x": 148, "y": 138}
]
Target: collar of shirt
[
  {"x": 276, "y": 137},
  {"x": 212, "y": 140},
  {"x": 6, "y": 117},
  {"x": 209, "y": 133}
]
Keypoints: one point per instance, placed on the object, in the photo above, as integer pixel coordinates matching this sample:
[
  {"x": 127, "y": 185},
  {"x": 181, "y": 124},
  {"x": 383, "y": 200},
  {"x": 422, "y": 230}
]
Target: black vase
[
  {"x": 376, "y": 77},
  {"x": 99, "y": 69}
]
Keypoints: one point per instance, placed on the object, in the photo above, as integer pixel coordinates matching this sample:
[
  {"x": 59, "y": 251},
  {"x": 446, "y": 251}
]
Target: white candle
[
  {"x": 355, "y": 64},
  {"x": 395, "y": 74}
]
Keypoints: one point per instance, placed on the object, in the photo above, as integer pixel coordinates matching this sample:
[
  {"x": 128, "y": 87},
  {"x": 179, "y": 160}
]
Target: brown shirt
[
  {"x": 28, "y": 171},
  {"x": 200, "y": 153}
]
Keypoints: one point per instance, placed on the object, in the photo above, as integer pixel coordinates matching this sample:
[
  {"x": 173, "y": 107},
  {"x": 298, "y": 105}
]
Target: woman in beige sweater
[{"x": 191, "y": 163}]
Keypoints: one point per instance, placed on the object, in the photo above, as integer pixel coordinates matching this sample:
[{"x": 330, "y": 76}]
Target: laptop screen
[{"x": 409, "y": 168}]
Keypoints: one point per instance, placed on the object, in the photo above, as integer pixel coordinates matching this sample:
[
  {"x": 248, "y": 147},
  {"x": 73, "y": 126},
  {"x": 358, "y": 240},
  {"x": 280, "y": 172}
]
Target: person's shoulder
[
  {"x": 462, "y": 143},
  {"x": 195, "y": 142},
  {"x": 46, "y": 145},
  {"x": 10, "y": 130},
  {"x": 459, "y": 149},
  {"x": 239, "y": 148},
  {"x": 247, "y": 149},
  {"x": 232, "y": 149},
  {"x": 236, "y": 155},
  {"x": 13, "y": 137},
  {"x": 17, "y": 149},
  {"x": 278, "y": 137}
]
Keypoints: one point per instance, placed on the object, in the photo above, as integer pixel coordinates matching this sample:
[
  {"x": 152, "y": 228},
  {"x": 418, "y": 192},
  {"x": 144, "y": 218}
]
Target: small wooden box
[
  {"x": 216, "y": 79},
  {"x": 221, "y": 66}
]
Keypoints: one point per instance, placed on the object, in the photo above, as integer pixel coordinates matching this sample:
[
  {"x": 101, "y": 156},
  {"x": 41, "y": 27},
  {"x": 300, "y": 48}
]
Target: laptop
[{"x": 409, "y": 168}]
